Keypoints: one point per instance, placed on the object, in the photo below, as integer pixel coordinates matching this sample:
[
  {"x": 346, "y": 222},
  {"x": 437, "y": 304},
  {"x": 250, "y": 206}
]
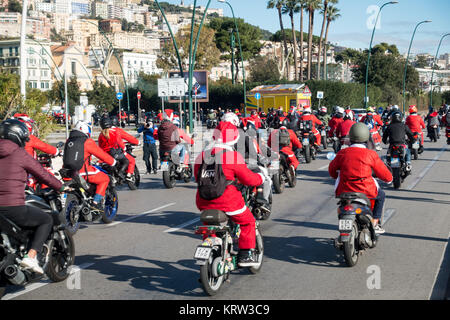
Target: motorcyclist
[
  {"x": 170, "y": 137},
  {"x": 324, "y": 116},
  {"x": 344, "y": 127},
  {"x": 396, "y": 133},
  {"x": 337, "y": 118},
  {"x": 82, "y": 132},
  {"x": 289, "y": 149},
  {"x": 231, "y": 201},
  {"x": 432, "y": 120},
  {"x": 354, "y": 166},
  {"x": 374, "y": 122},
  {"x": 16, "y": 164},
  {"x": 415, "y": 123},
  {"x": 127, "y": 138},
  {"x": 308, "y": 116},
  {"x": 111, "y": 142}
]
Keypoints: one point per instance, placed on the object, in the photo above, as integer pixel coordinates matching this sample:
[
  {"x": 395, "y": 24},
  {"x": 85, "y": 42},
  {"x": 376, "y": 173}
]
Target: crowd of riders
[{"x": 353, "y": 166}]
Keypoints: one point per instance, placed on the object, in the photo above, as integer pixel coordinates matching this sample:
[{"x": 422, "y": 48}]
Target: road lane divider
[
  {"x": 140, "y": 214},
  {"x": 183, "y": 225}
]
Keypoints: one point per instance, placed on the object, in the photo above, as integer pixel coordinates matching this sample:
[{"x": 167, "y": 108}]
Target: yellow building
[{"x": 276, "y": 96}]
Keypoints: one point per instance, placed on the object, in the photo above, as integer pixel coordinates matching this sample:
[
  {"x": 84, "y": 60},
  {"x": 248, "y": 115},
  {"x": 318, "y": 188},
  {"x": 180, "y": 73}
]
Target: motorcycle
[
  {"x": 217, "y": 256},
  {"x": 396, "y": 161},
  {"x": 415, "y": 145},
  {"x": 77, "y": 206},
  {"x": 119, "y": 179},
  {"x": 357, "y": 232},
  {"x": 58, "y": 253},
  {"x": 324, "y": 135},
  {"x": 433, "y": 132},
  {"x": 282, "y": 173},
  {"x": 172, "y": 171},
  {"x": 211, "y": 123},
  {"x": 307, "y": 138}
]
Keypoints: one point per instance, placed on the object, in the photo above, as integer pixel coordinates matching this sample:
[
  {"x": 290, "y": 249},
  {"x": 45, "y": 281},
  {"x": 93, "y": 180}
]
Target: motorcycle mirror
[
  {"x": 59, "y": 145},
  {"x": 331, "y": 156},
  {"x": 137, "y": 135}
]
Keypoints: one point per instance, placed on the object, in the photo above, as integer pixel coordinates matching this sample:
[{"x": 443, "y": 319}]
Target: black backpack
[
  {"x": 211, "y": 180},
  {"x": 73, "y": 158},
  {"x": 447, "y": 118},
  {"x": 284, "y": 138}
]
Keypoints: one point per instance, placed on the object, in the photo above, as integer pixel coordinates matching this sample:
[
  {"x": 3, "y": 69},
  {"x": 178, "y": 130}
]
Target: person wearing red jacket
[
  {"x": 308, "y": 116},
  {"x": 231, "y": 201},
  {"x": 343, "y": 127},
  {"x": 90, "y": 173},
  {"x": 353, "y": 168},
  {"x": 125, "y": 136},
  {"x": 415, "y": 122},
  {"x": 287, "y": 150},
  {"x": 335, "y": 120}
]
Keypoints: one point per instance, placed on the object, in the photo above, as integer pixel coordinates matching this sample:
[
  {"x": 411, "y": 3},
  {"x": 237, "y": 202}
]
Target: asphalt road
[{"x": 148, "y": 252}]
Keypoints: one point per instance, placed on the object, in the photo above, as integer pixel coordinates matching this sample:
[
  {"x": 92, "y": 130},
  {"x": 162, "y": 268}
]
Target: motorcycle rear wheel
[
  {"x": 350, "y": 247},
  {"x": 168, "y": 179},
  {"x": 278, "y": 182},
  {"x": 211, "y": 285},
  {"x": 307, "y": 153},
  {"x": 397, "y": 177},
  {"x": 137, "y": 180}
]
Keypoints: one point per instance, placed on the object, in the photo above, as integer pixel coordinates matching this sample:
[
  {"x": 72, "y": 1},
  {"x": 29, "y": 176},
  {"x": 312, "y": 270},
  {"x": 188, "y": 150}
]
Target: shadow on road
[
  {"x": 174, "y": 278},
  {"x": 417, "y": 199},
  {"x": 322, "y": 176}
]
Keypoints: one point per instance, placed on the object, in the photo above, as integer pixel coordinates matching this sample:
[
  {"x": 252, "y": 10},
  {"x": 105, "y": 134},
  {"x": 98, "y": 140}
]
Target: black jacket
[{"x": 396, "y": 133}]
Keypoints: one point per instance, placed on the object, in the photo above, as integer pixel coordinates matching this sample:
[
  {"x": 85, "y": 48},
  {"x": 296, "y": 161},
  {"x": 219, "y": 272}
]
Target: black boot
[{"x": 247, "y": 258}]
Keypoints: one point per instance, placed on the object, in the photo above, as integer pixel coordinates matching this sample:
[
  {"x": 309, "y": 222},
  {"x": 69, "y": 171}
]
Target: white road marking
[
  {"x": 140, "y": 215},
  {"x": 42, "y": 283},
  {"x": 388, "y": 213},
  {"x": 183, "y": 225},
  {"x": 324, "y": 167},
  {"x": 428, "y": 167}
]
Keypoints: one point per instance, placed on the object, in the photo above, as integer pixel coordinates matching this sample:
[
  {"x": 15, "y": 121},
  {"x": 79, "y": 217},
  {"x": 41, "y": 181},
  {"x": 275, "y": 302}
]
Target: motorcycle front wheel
[
  {"x": 350, "y": 247},
  {"x": 111, "y": 206},
  {"x": 259, "y": 252},
  {"x": 211, "y": 284},
  {"x": 61, "y": 256},
  {"x": 68, "y": 215}
]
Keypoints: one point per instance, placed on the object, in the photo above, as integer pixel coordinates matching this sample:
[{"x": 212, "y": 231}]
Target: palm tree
[
  {"x": 302, "y": 4},
  {"x": 290, "y": 7},
  {"x": 278, "y": 4},
  {"x": 324, "y": 11},
  {"x": 312, "y": 6},
  {"x": 333, "y": 14}
]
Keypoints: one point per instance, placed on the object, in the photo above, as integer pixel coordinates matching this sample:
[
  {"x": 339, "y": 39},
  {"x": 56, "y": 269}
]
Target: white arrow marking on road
[
  {"x": 43, "y": 283},
  {"x": 428, "y": 167},
  {"x": 183, "y": 225},
  {"x": 140, "y": 214}
]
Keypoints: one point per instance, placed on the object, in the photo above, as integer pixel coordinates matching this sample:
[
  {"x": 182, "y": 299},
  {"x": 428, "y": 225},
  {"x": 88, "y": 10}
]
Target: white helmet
[
  {"x": 340, "y": 110},
  {"x": 307, "y": 110},
  {"x": 83, "y": 127},
  {"x": 231, "y": 117}
]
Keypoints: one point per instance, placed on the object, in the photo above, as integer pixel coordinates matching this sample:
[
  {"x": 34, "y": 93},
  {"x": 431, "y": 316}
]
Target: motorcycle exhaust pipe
[{"x": 15, "y": 275}]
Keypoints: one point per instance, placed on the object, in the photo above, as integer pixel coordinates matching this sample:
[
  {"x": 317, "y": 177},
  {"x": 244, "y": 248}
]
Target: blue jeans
[
  {"x": 379, "y": 204},
  {"x": 407, "y": 155},
  {"x": 181, "y": 150}
]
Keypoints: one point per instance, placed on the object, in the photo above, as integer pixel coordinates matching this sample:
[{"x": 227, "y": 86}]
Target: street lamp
[
  {"x": 407, "y": 58},
  {"x": 370, "y": 49},
  {"x": 23, "y": 52},
  {"x": 432, "y": 73},
  {"x": 240, "y": 50}
]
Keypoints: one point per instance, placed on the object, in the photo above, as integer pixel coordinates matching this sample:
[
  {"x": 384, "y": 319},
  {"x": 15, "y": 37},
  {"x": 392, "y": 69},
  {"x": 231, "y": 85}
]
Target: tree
[
  {"x": 103, "y": 97},
  {"x": 262, "y": 69},
  {"x": 302, "y": 4},
  {"x": 421, "y": 62},
  {"x": 56, "y": 94},
  {"x": 278, "y": 4},
  {"x": 207, "y": 56},
  {"x": 312, "y": 6},
  {"x": 290, "y": 7},
  {"x": 324, "y": 11},
  {"x": 14, "y": 6},
  {"x": 332, "y": 15}
]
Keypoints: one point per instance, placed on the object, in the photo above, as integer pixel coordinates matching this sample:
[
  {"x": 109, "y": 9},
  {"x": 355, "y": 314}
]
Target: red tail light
[
  {"x": 348, "y": 208},
  {"x": 205, "y": 231}
]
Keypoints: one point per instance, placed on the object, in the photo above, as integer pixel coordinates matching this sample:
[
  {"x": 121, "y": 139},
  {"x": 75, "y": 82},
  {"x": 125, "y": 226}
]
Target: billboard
[{"x": 199, "y": 82}]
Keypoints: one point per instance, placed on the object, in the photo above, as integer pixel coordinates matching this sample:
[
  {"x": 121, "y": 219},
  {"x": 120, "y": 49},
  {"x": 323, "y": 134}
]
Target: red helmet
[
  {"x": 23, "y": 117},
  {"x": 412, "y": 109}
]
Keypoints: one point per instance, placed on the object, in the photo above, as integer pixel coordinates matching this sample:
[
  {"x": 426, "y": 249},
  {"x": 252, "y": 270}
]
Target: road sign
[
  {"x": 172, "y": 87},
  {"x": 319, "y": 94},
  {"x": 257, "y": 96},
  {"x": 119, "y": 95},
  {"x": 139, "y": 95}
]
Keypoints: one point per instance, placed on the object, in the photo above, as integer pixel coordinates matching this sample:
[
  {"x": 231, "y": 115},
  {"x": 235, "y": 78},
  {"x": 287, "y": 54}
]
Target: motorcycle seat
[
  {"x": 356, "y": 197},
  {"x": 214, "y": 217}
]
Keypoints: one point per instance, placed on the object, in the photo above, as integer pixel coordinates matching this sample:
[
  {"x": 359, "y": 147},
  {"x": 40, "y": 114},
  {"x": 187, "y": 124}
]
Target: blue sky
[{"x": 397, "y": 22}]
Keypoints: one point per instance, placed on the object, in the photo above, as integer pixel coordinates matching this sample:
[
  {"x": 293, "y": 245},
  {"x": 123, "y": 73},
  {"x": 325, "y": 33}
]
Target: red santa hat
[
  {"x": 226, "y": 133},
  {"x": 168, "y": 114}
]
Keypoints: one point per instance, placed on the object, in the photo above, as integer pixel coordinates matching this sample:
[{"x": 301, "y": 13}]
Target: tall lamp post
[
  {"x": 432, "y": 73},
  {"x": 370, "y": 50},
  {"x": 23, "y": 52},
  {"x": 407, "y": 58},
  {"x": 240, "y": 50}
]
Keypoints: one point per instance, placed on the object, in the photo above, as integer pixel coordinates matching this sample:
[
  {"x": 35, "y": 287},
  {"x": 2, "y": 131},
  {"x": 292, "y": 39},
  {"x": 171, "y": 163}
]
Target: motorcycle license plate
[
  {"x": 416, "y": 145},
  {"x": 305, "y": 141},
  {"x": 202, "y": 253},
  {"x": 165, "y": 166},
  {"x": 345, "y": 225},
  {"x": 395, "y": 162},
  {"x": 63, "y": 199}
]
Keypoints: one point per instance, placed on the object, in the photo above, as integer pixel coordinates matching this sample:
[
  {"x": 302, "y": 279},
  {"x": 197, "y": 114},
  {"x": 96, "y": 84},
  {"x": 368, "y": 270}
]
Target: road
[{"x": 148, "y": 252}]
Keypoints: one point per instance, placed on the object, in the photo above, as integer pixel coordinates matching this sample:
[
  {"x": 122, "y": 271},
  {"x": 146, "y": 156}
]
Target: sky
[{"x": 354, "y": 28}]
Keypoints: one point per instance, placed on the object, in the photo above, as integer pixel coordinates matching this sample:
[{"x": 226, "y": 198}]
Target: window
[
  {"x": 74, "y": 68},
  {"x": 42, "y": 85}
]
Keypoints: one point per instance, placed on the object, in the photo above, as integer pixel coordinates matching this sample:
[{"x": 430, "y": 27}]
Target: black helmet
[
  {"x": 285, "y": 123},
  {"x": 106, "y": 122},
  {"x": 359, "y": 133},
  {"x": 396, "y": 117},
  {"x": 16, "y": 131}
]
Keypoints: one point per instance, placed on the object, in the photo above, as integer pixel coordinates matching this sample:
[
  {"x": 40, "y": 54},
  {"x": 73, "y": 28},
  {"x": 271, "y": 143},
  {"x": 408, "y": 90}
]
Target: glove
[{"x": 65, "y": 189}]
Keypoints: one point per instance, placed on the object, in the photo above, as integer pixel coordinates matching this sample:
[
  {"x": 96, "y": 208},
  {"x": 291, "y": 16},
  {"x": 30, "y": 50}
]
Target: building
[
  {"x": 134, "y": 63},
  {"x": 10, "y": 25},
  {"x": 48, "y": 7},
  {"x": 441, "y": 79},
  {"x": 127, "y": 41},
  {"x": 61, "y": 22},
  {"x": 111, "y": 25},
  {"x": 38, "y": 62},
  {"x": 99, "y": 9},
  {"x": 82, "y": 32},
  {"x": 63, "y": 6},
  {"x": 71, "y": 58},
  {"x": 81, "y": 8}
]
